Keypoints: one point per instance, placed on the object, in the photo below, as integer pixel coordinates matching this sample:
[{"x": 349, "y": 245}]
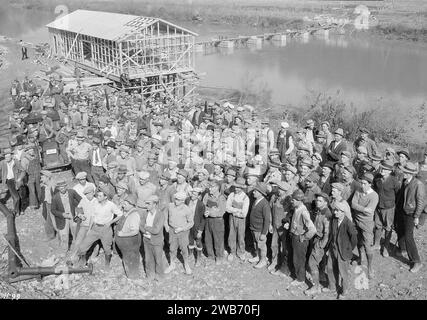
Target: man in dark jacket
[
  {"x": 409, "y": 205},
  {"x": 259, "y": 222},
  {"x": 337, "y": 146},
  {"x": 342, "y": 241},
  {"x": 321, "y": 218},
  {"x": 198, "y": 207},
  {"x": 386, "y": 185},
  {"x": 63, "y": 205}
]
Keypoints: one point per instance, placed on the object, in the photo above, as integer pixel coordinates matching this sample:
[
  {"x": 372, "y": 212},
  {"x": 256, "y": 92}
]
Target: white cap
[
  {"x": 143, "y": 175},
  {"x": 284, "y": 125}
]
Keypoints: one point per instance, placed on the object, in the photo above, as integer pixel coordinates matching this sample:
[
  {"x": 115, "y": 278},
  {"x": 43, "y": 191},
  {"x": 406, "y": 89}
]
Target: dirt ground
[{"x": 232, "y": 280}]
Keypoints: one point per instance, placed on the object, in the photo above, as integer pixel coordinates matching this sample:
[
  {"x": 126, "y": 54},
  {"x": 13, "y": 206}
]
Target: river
[{"x": 361, "y": 69}]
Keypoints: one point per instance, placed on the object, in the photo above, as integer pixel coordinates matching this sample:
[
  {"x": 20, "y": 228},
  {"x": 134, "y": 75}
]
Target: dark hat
[
  {"x": 298, "y": 195},
  {"x": 321, "y": 134},
  {"x": 262, "y": 188},
  {"x": 323, "y": 195},
  {"x": 111, "y": 144},
  {"x": 123, "y": 168},
  {"x": 350, "y": 169},
  {"x": 61, "y": 183},
  {"x": 104, "y": 179},
  {"x": 328, "y": 164},
  {"x": 346, "y": 153},
  {"x": 364, "y": 130},
  {"x": 405, "y": 152},
  {"x": 165, "y": 176},
  {"x": 339, "y": 131}
]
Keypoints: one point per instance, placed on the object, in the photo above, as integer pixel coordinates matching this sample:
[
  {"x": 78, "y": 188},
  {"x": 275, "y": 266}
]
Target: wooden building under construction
[{"x": 134, "y": 51}]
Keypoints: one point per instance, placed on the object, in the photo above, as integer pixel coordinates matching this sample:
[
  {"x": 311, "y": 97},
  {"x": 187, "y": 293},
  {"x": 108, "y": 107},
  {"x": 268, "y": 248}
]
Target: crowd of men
[{"x": 209, "y": 182}]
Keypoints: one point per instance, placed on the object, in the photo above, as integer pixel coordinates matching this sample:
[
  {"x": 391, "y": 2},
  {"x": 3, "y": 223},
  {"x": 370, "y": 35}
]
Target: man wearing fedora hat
[
  {"x": 128, "y": 238},
  {"x": 259, "y": 223},
  {"x": 237, "y": 206},
  {"x": 410, "y": 203},
  {"x": 364, "y": 203},
  {"x": 386, "y": 185},
  {"x": 364, "y": 140},
  {"x": 403, "y": 158},
  {"x": 337, "y": 146},
  {"x": 110, "y": 154},
  {"x": 125, "y": 158}
]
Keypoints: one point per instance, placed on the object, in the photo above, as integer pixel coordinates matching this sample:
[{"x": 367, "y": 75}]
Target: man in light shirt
[
  {"x": 82, "y": 184},
  {"x": 237, "y": 205},
  {"x": 128, "y": 238},
  {"x": 100, "y": 229},
  {"x": 180, "y": 221},
  {"x": 84, "y": 212},
  {"x": 80, "y": 153}
]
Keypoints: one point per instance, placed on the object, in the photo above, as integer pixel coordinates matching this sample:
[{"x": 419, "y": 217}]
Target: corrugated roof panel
[{"x": 104, "y": 25}]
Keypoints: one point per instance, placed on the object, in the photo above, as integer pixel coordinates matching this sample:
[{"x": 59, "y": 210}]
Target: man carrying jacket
[
  {"x": 198, "y": 208},
  {"x": 409, "y": 205}
]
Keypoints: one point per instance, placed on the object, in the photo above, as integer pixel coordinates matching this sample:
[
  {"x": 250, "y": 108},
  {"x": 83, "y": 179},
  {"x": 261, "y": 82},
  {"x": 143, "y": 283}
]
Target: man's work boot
[
  {"x": 254, "y": 260},
  {"x": 261, "y": 264},
  {"x": 377, "y": 239},
  {"x": 313, "y": 291},
  {"x": 82, "y": 260},
  {"x": 416, "y": 267},
  {"x": 370, "y": 257},
  {"x": 198, "y": 257},
  {"x": 187, "y": 268},
  {"x": 108, "y": 260},
  {"x": 171, "y": 267},
  {"x": 386, "y": 247},
  {"x": 273, "y": 264}
]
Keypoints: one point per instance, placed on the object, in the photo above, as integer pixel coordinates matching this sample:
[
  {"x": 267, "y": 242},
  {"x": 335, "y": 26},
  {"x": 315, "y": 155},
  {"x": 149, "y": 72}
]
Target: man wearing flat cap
[
  {"x": 144, "y": 188},
  {"x": 364, "y": 203},
  {"x": 410, "y": 203},
  {"x": 301, "y": 230},
  {"x": 259, "y": 223},
  {"x": 322, "y": 218},
  {"x": 387, "y": 186},
  {"x": 128, "y": 238},
  {"x": 403, "y": 158},
  {"x": 311, "y": 189},
  {"x": 237, "y": 206},
  {"x": 343, "y": 239},
  {"x": 152, "y": 222},
  {"x": 337, "y": 146},
  {"x": 79, "y": 154},
  {"x": 180, "y": 221},
  {"x": 368, "y": 143}
]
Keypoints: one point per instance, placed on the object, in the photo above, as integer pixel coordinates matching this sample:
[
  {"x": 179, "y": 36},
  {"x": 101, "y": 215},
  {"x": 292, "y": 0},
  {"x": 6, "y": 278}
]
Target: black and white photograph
[{"x": 213, "y": 155}]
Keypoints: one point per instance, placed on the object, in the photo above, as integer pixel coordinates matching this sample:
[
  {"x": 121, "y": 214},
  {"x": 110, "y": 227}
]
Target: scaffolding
[{"x": 149, "y": 54}]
